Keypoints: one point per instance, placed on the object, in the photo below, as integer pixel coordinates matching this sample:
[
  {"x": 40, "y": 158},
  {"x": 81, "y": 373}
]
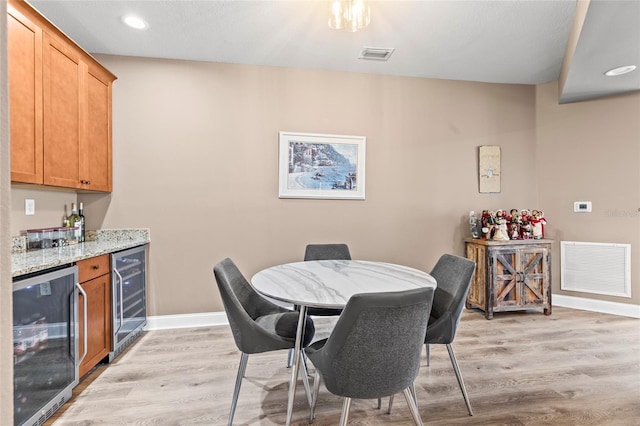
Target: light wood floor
[{"x": 570, "y": 368}]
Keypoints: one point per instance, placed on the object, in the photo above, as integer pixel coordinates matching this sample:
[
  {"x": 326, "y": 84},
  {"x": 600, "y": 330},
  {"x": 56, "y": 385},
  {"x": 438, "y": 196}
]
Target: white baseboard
[
  {"x": 210, "y": 319},
  {"x": 206, "y": 319},
  {"x": 603, "y": 306}
]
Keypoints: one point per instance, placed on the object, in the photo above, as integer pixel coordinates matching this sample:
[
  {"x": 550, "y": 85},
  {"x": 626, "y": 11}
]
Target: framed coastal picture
[{"x": 321, "y": 166}]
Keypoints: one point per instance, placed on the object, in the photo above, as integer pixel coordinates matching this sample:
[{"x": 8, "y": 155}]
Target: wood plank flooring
[{"x": 571, "y": 368}]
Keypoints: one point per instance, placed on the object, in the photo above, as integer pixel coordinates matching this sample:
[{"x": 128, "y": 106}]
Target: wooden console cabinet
[
  {"x": 94, "y": 275},
  {"x": 60, "y": 104},
  {"x": 510, "y": 275}
]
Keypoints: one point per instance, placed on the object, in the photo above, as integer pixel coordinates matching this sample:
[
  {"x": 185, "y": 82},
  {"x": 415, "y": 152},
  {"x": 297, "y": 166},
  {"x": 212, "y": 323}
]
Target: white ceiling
[{"x": 498, "y": 41}]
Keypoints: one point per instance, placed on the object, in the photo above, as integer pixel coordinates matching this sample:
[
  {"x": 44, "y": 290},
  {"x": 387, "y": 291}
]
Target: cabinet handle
[
  {"x": 95, "y": 267},
  {"x": 115, "y": 271},
  {"x": 85, "y": 323}
]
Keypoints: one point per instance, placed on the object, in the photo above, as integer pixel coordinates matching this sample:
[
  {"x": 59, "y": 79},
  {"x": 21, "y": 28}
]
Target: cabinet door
[
  {"x": 519, "y": 276},
  {"x": 25, "y": 97},
  {"x": 533, "y": 270},
  {"x": 98, "y": 321},
  {"x": 504, "y": 276},
  {"x": 63, "y": 109},
  {"x": 96, "y": 151}
]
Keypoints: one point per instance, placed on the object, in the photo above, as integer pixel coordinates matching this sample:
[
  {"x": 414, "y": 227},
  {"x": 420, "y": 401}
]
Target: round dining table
[{"x": 330, "y": 284}]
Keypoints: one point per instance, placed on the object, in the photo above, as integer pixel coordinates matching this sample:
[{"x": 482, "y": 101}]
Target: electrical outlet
[{"x": 29, "y": 207}]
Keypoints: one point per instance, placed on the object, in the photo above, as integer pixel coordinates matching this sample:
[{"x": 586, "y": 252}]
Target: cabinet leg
[
  {"x": 467, "y": 305},
  {"x": 547, "y": 311},
  {"x": 488, "y": 315}
]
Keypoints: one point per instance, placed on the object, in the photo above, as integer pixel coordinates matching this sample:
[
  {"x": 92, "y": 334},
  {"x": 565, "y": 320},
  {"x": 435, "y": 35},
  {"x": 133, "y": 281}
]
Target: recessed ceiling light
[
  {"x": 620, "y": 70},
  {"x": 135, "y": 22}
]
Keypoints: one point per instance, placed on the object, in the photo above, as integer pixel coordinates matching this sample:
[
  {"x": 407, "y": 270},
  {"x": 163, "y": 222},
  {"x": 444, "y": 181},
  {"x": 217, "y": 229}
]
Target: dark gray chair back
[
  {"x": 374, "y": 349},
  {"x": 327, "y": 252},
  {"x": 257, "y": 324},
  {"x": 453, "y": 275}
]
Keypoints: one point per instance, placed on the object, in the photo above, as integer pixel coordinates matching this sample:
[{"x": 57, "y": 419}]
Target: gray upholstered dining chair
[
  {"x": 374, "y": 350},
  {"x": 453, "y": 274},
  {"x": 257, "y": 324},
  {"x": 333, "y": 251},
  {"x": 326, "y": 252}
]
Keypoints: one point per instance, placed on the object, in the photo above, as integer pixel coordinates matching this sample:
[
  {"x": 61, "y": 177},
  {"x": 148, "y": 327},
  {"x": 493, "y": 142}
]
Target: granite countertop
[{"x": 106, "y": 241}]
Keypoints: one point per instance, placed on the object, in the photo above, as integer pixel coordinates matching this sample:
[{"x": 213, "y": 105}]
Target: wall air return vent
[
  {"x": 376, "y": 53},
  {"x": 599, "y": 268}
]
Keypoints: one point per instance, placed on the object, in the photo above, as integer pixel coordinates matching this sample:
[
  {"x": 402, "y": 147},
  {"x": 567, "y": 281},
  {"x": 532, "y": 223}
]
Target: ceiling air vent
[{"x": 376, "y": 53}]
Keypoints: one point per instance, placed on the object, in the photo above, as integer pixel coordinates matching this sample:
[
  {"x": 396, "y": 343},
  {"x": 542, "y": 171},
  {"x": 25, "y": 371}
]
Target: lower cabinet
[
  {"x": 512, "y": 275},
  {"x": 95, "y": 279}
]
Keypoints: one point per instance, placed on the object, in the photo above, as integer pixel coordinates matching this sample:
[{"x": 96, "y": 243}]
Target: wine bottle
[
  {"x": 65, "y": 218},
  {"x": 82, "y": 223},
  {"x": 74, "y": 220}
]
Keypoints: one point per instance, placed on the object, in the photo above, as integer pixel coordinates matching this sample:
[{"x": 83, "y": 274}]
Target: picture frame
[{"x": 321, "y": 166}]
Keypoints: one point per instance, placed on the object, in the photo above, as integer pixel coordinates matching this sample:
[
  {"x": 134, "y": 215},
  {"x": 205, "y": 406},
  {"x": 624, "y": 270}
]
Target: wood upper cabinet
[
  {"x": 63, "y": 80},
  {"x": 25, "y": 100},
  {"x": 96, "y": 153},
  {"x": 70, "y": 140},
  {"x": 95, "y": 279}
]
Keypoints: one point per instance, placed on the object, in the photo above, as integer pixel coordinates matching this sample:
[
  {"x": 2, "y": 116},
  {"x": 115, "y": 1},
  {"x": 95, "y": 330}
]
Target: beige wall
[
  {"x": 196, "y": 161},
  {"x": 6, "y": 330},
  {"x": 590, "y": 151}
]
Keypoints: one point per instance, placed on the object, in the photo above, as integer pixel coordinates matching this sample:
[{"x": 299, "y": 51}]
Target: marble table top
[{"x": 330, "y": 283}]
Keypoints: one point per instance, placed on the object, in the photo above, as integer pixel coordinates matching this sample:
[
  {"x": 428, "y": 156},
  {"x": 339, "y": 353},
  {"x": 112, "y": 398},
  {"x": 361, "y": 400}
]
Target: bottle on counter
[
  {"x": 74, "y": 221},
  {"x": 82, "y": 223},
  {"x": 65, "y": 218}
]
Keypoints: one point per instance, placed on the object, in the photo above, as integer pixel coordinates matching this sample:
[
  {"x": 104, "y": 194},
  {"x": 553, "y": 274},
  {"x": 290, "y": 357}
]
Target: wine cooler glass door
[
  {"x": 44, "y": 343},
  {"x": 129, "y": 278}
]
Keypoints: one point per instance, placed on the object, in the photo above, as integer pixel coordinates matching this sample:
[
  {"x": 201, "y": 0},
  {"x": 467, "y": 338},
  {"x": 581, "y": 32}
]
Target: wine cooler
[
  {"x": 128, "y": 284},
  {"x": 45, "y": 343}
]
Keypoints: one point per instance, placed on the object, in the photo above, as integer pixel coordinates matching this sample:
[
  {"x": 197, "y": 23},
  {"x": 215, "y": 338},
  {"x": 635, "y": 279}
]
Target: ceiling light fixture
[
  {"x": 620, "y": 70},
  {"x": 350, "y": 15},
  {"x": 135, "y": 22}
]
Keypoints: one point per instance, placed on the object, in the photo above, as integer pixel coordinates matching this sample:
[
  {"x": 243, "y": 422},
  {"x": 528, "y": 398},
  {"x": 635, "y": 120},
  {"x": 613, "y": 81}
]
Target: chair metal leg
[
  {"x": 290, "y": 356},
  {"x": 428, "y": 354},
  {"x": 390, "y": 404},
  {"x": 413, "y": 392},
  {"x": 412, "y": 406},
  {"x": 314, "y": 399},
  {"x": 379, "y": 403},
  {"x": 456, "y": 369},
  {"x": 345, "y": 412},
  {"x": 305, "y": 376},
  {"x": 234, "y": 401}
]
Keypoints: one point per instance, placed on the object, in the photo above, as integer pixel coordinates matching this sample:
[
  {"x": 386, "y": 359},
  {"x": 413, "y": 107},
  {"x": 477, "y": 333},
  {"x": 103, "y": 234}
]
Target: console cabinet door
[
  {"x": 518, "y": 277},
  {"x": 25, "y": 100}
]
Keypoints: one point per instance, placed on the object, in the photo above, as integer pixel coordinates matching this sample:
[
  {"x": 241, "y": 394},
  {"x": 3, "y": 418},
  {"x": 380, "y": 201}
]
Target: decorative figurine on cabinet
[
  {"x": 501, "y": 233},
  {"x": 537, "y": 223},
  {"x": 515, "y": 224},
  {"x": 488, "y": 224},
  {"x": 525, "y": 225}
]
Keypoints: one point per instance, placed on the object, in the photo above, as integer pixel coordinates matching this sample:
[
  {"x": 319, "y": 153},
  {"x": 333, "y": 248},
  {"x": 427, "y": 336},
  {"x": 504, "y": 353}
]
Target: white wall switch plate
[
  {"x": 582, "y": 206},
  {"x": 29, "y": 207}
]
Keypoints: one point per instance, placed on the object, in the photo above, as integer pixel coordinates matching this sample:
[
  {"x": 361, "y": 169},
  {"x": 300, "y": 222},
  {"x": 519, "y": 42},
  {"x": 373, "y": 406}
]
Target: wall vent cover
[
  {"x": 376, "y": 53},
  {"x": 599, "y": 268}
]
